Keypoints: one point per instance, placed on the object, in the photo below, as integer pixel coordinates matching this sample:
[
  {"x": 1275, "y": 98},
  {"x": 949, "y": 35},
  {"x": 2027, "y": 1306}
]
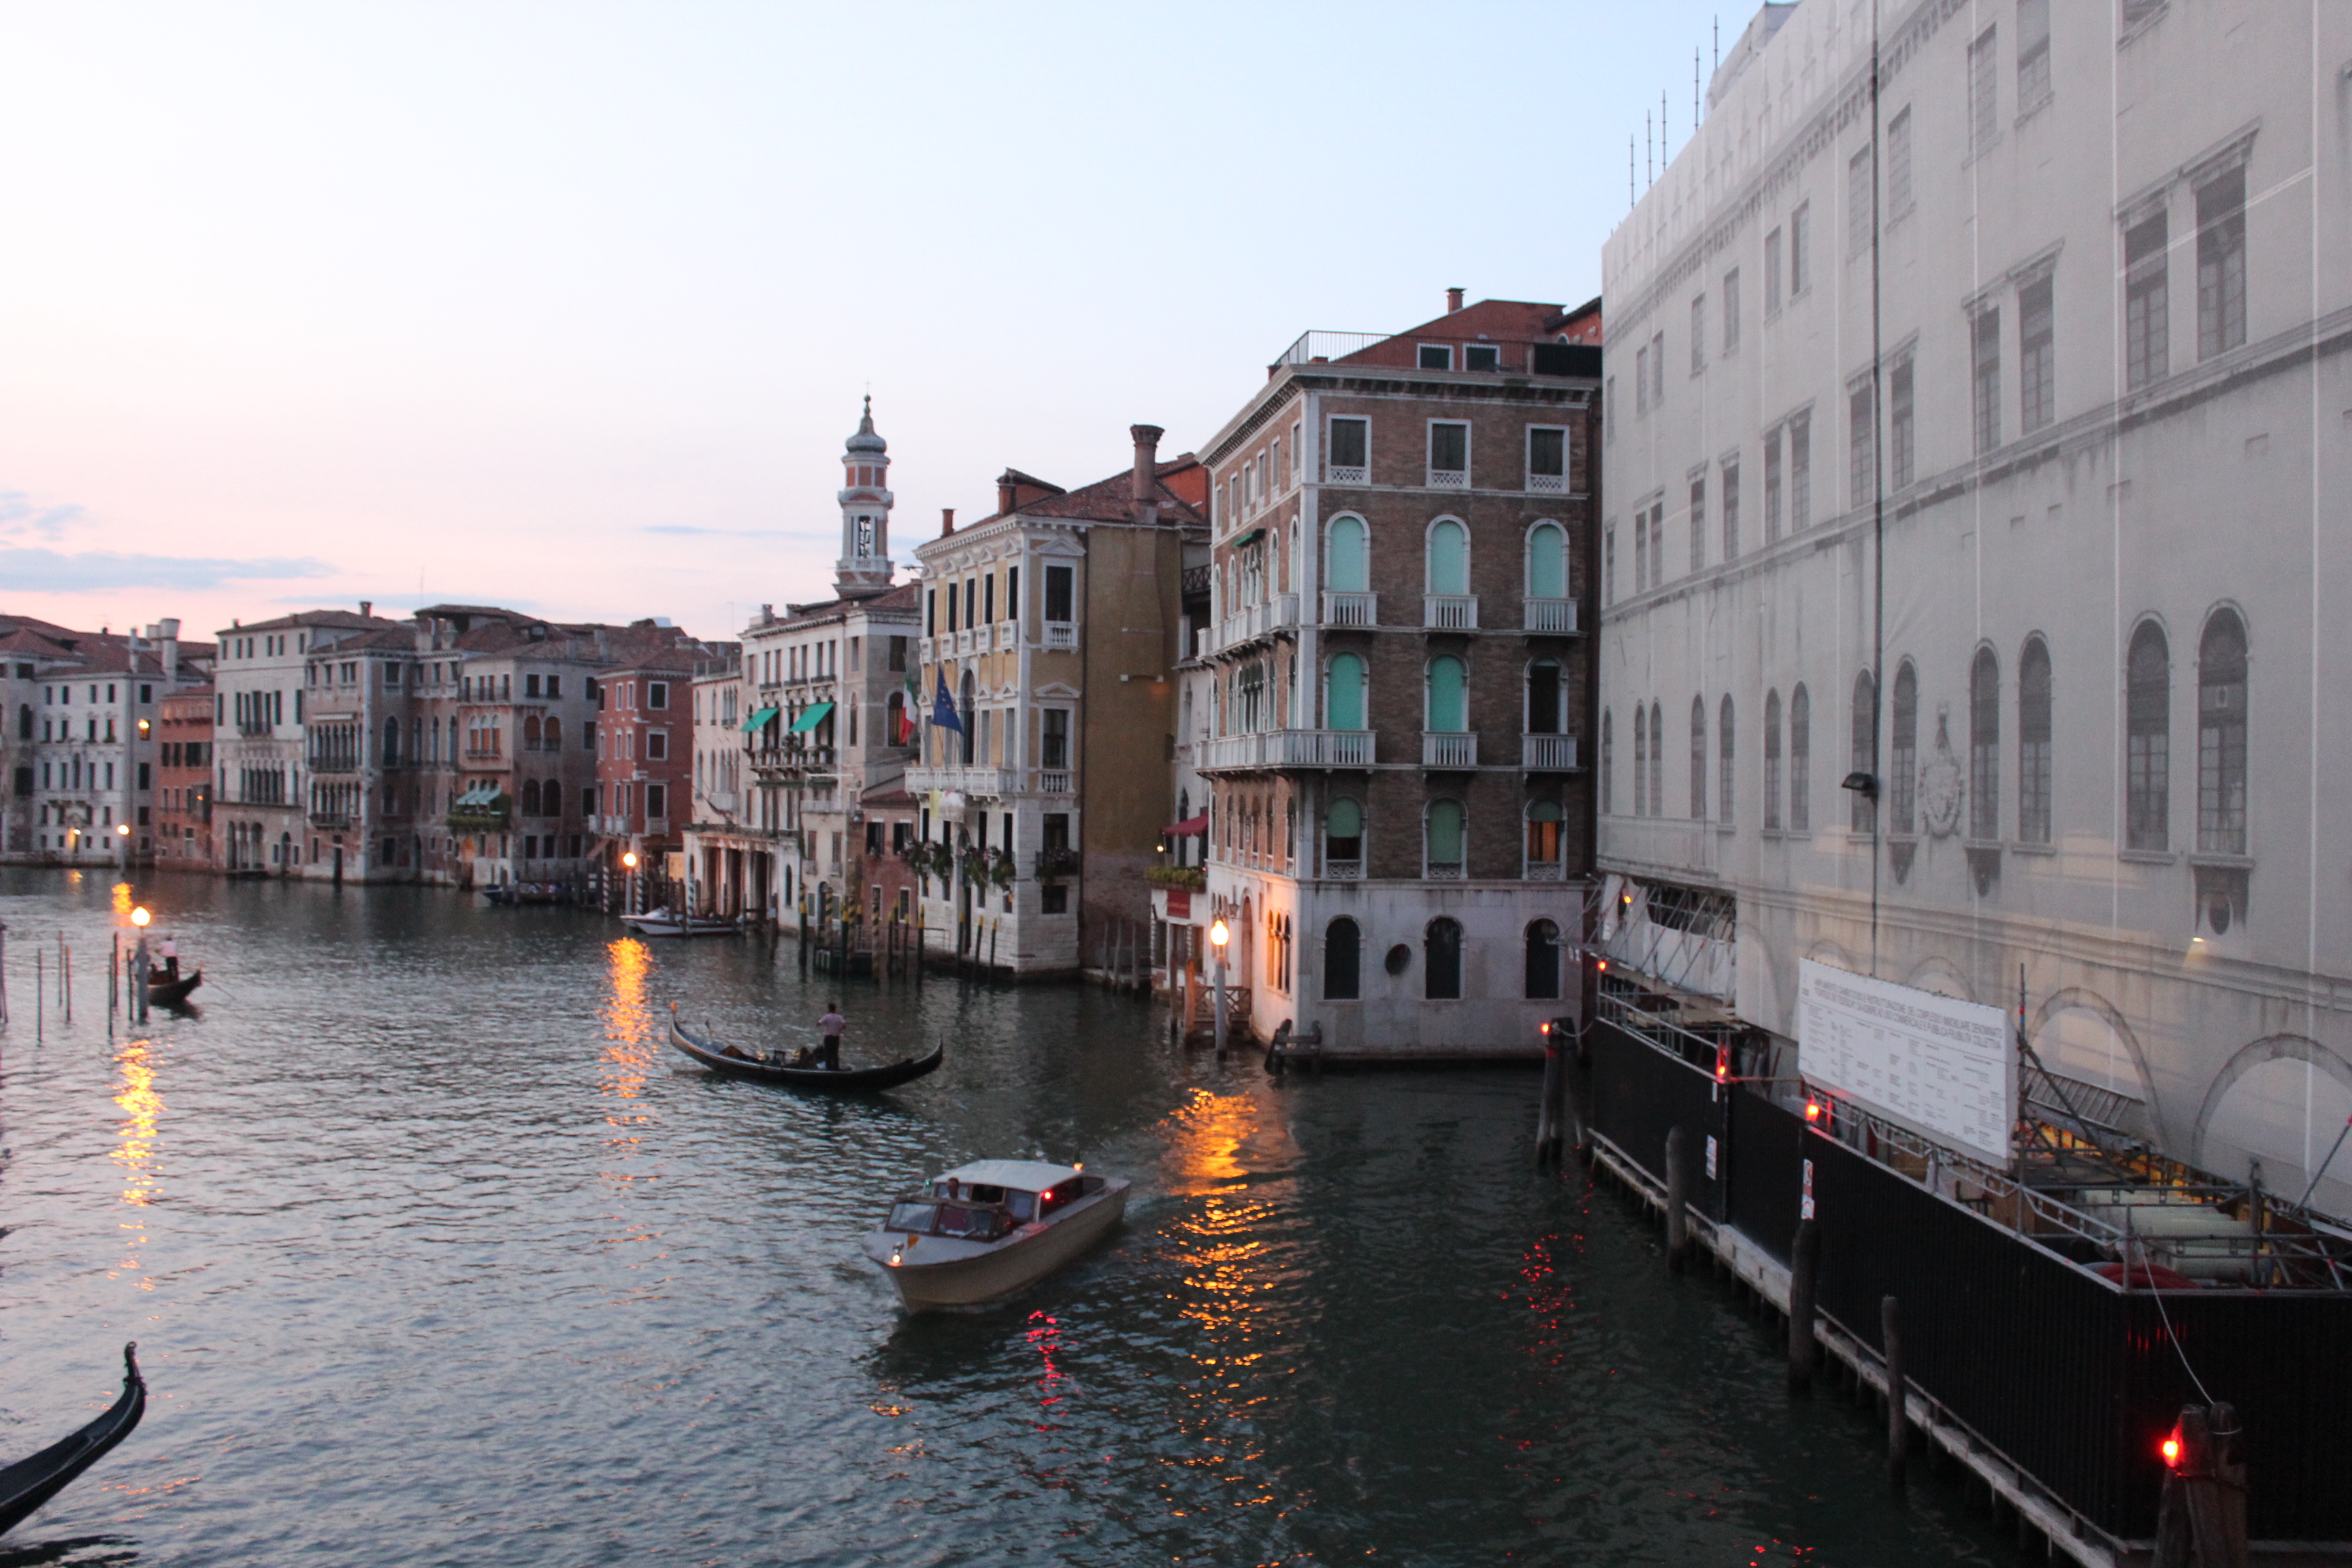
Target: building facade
[
  {"x": 183, "y": 780},
  {"x": 1397, "y": 683},
  {"x": 1970, "y": 467},
  {"x": 262, "y": 797},
  {"x": 1050, "y": 631}
]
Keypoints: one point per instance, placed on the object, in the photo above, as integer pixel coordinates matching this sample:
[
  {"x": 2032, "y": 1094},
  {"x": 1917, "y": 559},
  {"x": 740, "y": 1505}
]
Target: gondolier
[{"x": 829, "y": 1054}]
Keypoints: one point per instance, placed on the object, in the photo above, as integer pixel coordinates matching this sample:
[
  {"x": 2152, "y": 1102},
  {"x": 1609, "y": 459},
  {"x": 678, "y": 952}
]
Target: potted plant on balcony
[
  {"x": 1055, "y": 863},
  {"x": 1000, "y": 868},
  {"x": 1195, "y": 877}
]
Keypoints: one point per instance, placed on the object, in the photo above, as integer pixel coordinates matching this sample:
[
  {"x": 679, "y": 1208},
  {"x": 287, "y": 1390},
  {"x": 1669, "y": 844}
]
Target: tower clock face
[{"x": 864, "y": 535}]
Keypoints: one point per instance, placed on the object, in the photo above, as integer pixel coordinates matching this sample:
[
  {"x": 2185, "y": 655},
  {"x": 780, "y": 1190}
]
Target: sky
[{"x": 570, "y": 307}]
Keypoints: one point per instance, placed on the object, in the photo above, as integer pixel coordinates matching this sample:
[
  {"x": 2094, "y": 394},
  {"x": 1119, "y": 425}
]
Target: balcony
[
  {"x": 1351, "y": 609},
  {"x": 1449, "y": 479},
  {"x": 1449, "y": 750},
  {"x": 990, "y": 782},
  {"x": 1553, "y": 616},
  {"x": 332, "y": 763},
  {"x": 1061, "y": 634},
  {"x": 1052, "y": 780},
  {"x": 1547, "y": 754},
  {"x": 1343, "y": 870},
  {"x": 336, "y": 820},
  {"x": 1288, "y": 749},
  {"x": 1347, "y": 474},
  {"x": 1548, "y": 484},
  {"x": 1276, "y": 614},
  {"x": 1450, "y": 612}
]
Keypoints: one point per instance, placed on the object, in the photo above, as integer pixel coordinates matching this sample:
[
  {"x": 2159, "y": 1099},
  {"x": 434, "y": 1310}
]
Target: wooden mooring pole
[
  {"x": 1677, "y": 1199},
  {"x": 1898, "y": 1421},
  {"x": 1548, "y": 1133},
  {"x": 2201, "y": 1521},
  {"x": 1804, "y": 1273}
]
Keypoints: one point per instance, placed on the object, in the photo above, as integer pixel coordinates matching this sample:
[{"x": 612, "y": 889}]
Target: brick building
[
  {"x": 183, "y": 780},
  {"x": 1402, "y": 577},
  {"x": 644, "y": 766}
]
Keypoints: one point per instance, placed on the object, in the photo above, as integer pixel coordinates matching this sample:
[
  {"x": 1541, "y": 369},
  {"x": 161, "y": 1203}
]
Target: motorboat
[
  {"x": 984, "y": 1230},
  {"x": 734, "y": 1062},
  {"x": 661, "y": 922}
]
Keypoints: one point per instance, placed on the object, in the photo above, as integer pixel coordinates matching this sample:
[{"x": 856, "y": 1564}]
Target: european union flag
[{"x": 943, "y": 713}]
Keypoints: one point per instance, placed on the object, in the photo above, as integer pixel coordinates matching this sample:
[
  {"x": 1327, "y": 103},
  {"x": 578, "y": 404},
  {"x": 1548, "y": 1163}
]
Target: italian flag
[{"x": 906, "y": 713}]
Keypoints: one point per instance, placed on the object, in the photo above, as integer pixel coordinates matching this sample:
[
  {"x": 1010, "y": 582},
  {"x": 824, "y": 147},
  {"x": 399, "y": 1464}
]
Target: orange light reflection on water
[
  {"x": 628, "y": 1026},
  {"x": 134, "y": 1145}
]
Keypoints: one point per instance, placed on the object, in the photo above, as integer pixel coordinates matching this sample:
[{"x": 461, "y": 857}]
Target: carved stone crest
[{"x": 1939, "y": 780}]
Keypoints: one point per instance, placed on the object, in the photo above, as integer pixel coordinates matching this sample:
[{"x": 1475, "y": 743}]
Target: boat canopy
[
  {"x": 758, "y": 719},
  {"x": 1019, "y": 1175},
  {"x": 810, "y": 719}
]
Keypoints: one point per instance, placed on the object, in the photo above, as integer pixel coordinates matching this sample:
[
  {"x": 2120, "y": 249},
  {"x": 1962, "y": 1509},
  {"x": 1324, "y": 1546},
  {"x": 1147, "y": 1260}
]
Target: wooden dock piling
[
  {"x": 1804, "y": 1273},
  {"x": 1677, "y": 1199},
  {"x": 1898, "y": 1422}
]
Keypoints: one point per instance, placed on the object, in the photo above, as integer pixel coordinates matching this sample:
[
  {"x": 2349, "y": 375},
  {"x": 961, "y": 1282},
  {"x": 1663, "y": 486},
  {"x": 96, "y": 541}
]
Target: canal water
[{"x": 435, "y": 1254}]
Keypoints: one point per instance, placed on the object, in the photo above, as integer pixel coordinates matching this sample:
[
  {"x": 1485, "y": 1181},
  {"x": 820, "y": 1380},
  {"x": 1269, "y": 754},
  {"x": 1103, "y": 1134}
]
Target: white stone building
[{"x": 1985, "y": 441}]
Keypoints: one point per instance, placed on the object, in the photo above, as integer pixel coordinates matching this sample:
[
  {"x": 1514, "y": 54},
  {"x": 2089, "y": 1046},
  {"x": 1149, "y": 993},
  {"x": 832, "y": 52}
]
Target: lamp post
[
  {"x": 629, "y": 900},
  {"x": 139, "y": 965},
  {"x": 123, "y": 842},
  {"x": 1218, "y": 937}
]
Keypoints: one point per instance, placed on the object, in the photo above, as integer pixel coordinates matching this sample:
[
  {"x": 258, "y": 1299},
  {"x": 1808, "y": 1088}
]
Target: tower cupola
[{"x": 864, "y": 566}]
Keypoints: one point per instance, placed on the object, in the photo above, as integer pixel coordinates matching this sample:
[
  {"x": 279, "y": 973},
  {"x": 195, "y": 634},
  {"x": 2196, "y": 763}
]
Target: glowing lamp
[
  {"x": 894, "y": 1257},
  {"x": 1219, "y": 934},
  {"x": 1723, "y": 1064},
  {"x": 1080, "y": 1165},
  {"x": 140, "y": 918},
  {"x": 1544, "y": 1027},
  {"x": 1601, "y": 966},
  {"x": 2170, "y": 1448},
  {"x": 630, "y": 859},
  {"x": 1812, "y": 1111},
  {"x": 123, "y": 829},
  {"x": 142, "y": 726}
]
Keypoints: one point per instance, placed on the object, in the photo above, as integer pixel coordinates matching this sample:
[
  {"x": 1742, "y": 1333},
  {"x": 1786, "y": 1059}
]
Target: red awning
[{"x": 1191, "y": 827}]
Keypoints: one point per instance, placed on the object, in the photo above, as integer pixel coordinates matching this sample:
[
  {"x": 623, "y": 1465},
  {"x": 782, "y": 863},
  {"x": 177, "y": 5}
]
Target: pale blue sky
[{"x": 571, "y": 306}]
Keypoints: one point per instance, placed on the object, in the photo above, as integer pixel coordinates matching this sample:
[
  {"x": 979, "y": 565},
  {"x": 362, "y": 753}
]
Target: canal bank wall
[{"x": 2051, "y": 1386}]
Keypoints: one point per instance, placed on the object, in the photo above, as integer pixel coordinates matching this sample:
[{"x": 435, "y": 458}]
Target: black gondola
[
  {"x": 25, "y": 1485},
  {"x": 172, "y": 992},
  {"x": 839, "y": 1080}
]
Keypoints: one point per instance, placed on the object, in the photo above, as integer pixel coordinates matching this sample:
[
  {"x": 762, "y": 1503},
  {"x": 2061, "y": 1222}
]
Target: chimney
[
  {"x": 367, "y": 608},
  {"x": 1147, "y": 458},
  {"x": 947, "y": 513},
  {"x": 166, "y": 633},
  {"x": 1453, "y": 300},
  {"x": 1005, "y": 493}
]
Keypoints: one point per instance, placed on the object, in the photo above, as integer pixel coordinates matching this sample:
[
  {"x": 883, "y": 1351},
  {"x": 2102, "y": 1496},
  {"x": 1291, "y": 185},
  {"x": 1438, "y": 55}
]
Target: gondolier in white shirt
[
  {"x": 832, "y": 1024},
  {"x": 171, "y": 955}
]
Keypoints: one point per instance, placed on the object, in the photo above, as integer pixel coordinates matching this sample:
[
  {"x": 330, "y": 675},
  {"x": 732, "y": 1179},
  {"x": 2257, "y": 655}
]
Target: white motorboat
[
  {"x": 661, "y": 922},
  {"x": 984, "y": 1230}
]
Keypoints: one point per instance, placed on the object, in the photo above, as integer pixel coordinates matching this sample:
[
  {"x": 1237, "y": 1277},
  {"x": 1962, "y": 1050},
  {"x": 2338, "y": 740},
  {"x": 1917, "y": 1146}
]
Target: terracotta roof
[
  {"x": 344, "y": 619},
  {"x": 1107, "y": 500}
]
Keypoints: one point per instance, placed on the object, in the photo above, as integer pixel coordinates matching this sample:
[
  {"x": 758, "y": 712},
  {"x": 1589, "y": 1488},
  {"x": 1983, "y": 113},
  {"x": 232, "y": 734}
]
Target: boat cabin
[{"x": 991, "y": 1198}]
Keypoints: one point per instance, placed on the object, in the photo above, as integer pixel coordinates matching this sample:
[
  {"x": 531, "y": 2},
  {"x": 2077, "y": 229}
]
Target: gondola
[
  {"x": 838, "y": 1080},
  {"x": 172, "y": 992},
  {"x": 25, "y": 1485}
]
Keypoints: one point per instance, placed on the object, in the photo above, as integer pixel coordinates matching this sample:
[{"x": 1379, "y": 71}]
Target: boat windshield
[
  {"x": 915, "y": 1217},
  {"x": 971, "y": 1223},
  {"x": 1022, "y": 1205}
]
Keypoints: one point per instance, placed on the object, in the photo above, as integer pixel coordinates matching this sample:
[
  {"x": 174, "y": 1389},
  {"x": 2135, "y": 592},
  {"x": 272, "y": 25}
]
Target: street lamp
[
  {"x": 629, "y": 860},
  {"x": 122, "y": 831},
  {"x": 1218, "y": 937},
  {"x": 139, "y": 917}
]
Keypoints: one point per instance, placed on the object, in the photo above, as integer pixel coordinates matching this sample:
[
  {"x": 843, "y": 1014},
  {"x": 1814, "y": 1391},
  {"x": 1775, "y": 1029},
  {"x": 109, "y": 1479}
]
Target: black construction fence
[{"x": 2068, "y": 1375}]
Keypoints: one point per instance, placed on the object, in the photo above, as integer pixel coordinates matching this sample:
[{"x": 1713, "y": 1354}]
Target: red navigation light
[
  {"x": 1812, "y": 1111},
  {"x": 1602, "y": 965},
  {"x": 1723, "y": 1064},
  {"x": 1544, "y": 1027},
  {"x": 2170, "y": 1448}
]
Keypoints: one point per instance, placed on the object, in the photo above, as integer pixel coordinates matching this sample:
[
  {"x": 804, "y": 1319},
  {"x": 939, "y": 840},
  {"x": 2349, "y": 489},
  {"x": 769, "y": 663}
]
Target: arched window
[
  {"x": 1347, "y": 567},
  {"x": 1903, "y": 752},
  {"x": 1547, "y": 562},
  {"x": 530, "y": 797},
  {"x": 2147, "y": 727},
  {"x": 1726, "y": 797},
  {"x": 1641, "y": 759},
  {"x": 970, "y": 690},
  {"x": 1250, "y": 686},
  {"x": 1984, "y": 746},
  {"x": 2221, "y": 735},
  {"x": 1343, "y": 947},
  {"x": 1772, "y": 761},
  {"x": 1862, "y": 751},
  {"x": 1657, "y": 804},
  {"x": 1343, "y": 838},
  {"x": 1546, "y": 698},
  {"x": 1343, "y": 692},
  {"x": 1449, "y": 557},
  {"x": 1543, "y": 839},
  {"x": 1698, "y": 759},
  {"x": 391, "y": 742},
  {"x": 1543, "y": 961},
  {"x": 1800, "y": 760},
  {"x": 1442, "y": 974},
  {"x": 531, "y": 733},
  {"x": 1448, "y": 698},
  {"x": 1444, "y": 841},
  {"x": 2033, "y": 772},
  {"x": 1608, "y": 760}
]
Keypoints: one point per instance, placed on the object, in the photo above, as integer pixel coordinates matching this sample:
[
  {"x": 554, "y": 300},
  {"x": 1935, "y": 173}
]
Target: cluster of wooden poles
[{"x": 126, "y": 984}]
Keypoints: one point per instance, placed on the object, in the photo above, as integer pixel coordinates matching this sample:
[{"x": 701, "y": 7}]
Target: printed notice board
[{"x": 1938, "y": 1067}]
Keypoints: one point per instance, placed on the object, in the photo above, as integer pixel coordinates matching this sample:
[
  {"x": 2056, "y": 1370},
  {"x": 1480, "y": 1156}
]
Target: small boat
[
  {"x": 507, "y": 894},
  {"x": 661, "y": 922},
  {"x": 25, "y": 1485},
  {"x": 984, "y": 1230},
  {"x": 172, "y": 992},
  {"x": 839, "y": 1080}
]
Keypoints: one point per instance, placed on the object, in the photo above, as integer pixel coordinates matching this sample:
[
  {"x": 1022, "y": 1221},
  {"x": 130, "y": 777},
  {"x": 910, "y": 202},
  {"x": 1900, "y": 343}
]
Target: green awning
[
  {"x": 756, "y": 719},
  {"x": 812, "y": 718},
  {"x": 1252, "y": 537}
]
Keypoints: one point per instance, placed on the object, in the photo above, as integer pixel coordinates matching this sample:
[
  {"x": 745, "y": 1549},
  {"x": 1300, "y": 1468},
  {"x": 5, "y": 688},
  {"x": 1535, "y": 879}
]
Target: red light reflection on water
[{"x": 1045, "y": 1333}]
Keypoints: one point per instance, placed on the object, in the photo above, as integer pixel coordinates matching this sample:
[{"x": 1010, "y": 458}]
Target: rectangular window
[
  {"x": 2032, "y": 56},
  {"x": 2148, "y": 298},
  {"x": 1642, "y": 380},
  {"x": 2222, "y": 263},
  {"x": 1546, "y": 458},
  {"x": 1984, "y": 337},
  {"x": 1435, "y": 356},
  {"x": 1698, "y": 523},
  {"x": 1642, "y": 551},
  {"x": 1449, "y": 453},
  {"x": 931, "y": 612},
  {"x": 1862, "y": 449},
  {"x": 1984, "y": 94},
  {"x": 1771, "y": 273},
  {"x": 657, "y": 800},
  {"x": 657, "y": 745},
  {"x": 657, "y": 693},
  {"x": 2036, "y": 373},
  {"x": 1699, "y": 333},
  {"x": 1730, "y": 509},
  {"x": 1800, "y": 249},
  {"x": 1013, "y": 593},
  {"x": 1657, "y": 370},
  {"x": 1350, "y": 440},
  {"x": 530, "y": 686},
  {"x": 987, "y": 601},
  {"x": 1060, "y": 593},
  {"x": 1898, "y": 165},
  {"x": 1901, "y": 428},
  {"x": 1772, "y": 487},
  {"x": 970, "y": 601},
  {"x": 1861, "y": 191},
  {"x": 1731, "y": 312},
  {"x": 1800, "y": 471},
  {"x": 898, "y": 654},
  {"x": 1054, "y": 738},
  {"x": 1478, "y": 356},
  {"x": 1609, "y": 564}
]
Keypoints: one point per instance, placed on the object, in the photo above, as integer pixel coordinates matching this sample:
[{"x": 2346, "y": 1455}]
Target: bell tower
[{"x": 864, "y": 566}]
